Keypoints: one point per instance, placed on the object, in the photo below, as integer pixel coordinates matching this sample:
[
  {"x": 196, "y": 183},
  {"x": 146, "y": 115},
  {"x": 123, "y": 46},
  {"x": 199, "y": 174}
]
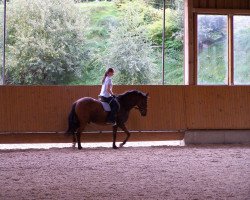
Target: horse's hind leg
[
  {"x": 114, "y": 136},
  {"x": 74, "y": 140},
  {"x": 78, "y": 136},
  {"x": 123, "y": 127}
]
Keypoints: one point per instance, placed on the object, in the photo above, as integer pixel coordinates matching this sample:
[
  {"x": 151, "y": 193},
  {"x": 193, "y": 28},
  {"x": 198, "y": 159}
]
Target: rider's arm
[{"x": 109, "y": 89}]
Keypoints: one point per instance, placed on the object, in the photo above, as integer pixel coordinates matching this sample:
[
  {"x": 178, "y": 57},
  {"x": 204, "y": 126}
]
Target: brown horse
[{"x": 87, "y": 109}]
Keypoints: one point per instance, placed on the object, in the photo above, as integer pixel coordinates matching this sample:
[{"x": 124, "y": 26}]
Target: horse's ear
[{"x": 147, "y": 94}]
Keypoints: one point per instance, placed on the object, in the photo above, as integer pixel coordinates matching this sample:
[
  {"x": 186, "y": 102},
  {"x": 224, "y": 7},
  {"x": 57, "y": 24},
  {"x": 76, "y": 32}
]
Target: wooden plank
[
  {"x": 203, "y": 4},
  {"x": 195, "y": 4},
  {"x": 236, "y": 4},
  {"x": 163, "y": 100},
  {"x": 218, "y": 107},
  {"x": 46, "y": 108},
  {"x": 16, "y": 138},
  {"x": 244, "y": 4},
  {"x": 230, "y": 4},
  {"x": 211, "y": 4},
  {"x": 222, "y": 11},
  {"x": 221, "y": 4}
]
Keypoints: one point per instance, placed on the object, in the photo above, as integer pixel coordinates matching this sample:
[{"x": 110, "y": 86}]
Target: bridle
[{"x": 142, "y": 110}]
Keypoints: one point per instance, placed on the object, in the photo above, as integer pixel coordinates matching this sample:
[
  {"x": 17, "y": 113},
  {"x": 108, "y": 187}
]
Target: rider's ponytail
[{"x": 106, "y": 74}]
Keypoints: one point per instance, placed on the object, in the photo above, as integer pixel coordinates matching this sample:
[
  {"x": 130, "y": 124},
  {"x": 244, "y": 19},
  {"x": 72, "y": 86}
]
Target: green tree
[
  {"x": 129, "y": 50},
  {"x": 174, "y": 44},
  {"x": 212, "y": 57},
  {"x": 212, "y": 29},
  {"x": 46, "y": 43},
  {"x": 242, "y": 55}
]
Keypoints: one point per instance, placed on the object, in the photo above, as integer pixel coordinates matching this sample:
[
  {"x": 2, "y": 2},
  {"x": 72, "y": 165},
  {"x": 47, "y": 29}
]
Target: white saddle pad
[{"x": 106, "y": 106}]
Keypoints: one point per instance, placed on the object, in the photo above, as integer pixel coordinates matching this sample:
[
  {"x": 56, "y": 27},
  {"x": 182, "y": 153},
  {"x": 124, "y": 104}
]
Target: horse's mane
[{"x": 127, "y": 93}]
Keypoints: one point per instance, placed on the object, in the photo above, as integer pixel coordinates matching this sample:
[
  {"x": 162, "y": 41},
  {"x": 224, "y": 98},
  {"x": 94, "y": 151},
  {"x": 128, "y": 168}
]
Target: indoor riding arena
[{"x": 194, "y": 142}]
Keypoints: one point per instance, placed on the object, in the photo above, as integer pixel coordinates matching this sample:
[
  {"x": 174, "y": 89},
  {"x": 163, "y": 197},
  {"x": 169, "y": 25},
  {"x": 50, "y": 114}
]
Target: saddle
[{"x": 105, "y": 105}]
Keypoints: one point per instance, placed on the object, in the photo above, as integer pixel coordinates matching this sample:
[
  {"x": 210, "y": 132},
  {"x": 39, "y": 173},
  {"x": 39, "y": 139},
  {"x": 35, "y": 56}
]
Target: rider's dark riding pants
[{"x": 114, "y": 107}]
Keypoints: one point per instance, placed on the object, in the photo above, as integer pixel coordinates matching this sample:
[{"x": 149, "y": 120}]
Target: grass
[
  {"x": 212, "y": 64},
  {"x": 99, "y": 10},
  {"x": 101, "y": 14}
]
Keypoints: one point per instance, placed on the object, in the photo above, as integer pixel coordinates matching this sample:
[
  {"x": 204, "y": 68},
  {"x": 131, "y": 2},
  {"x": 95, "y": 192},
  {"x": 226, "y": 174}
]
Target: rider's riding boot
[{"x": 111, "y": 120}]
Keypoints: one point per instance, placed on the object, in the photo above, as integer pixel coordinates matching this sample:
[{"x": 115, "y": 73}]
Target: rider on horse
[{"x": 107, "y": 95}]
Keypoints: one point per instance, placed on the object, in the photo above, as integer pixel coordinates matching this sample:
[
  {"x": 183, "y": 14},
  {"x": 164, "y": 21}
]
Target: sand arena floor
[{"x": 194, "y": 172}]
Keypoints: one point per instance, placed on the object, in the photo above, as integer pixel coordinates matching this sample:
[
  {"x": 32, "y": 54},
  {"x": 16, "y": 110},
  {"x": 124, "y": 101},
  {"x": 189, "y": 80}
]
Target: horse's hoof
[
  {"x": 79, "y": 148},
  {"x": 121, "y": 145},
  {"x": 73, "y": 145},
  {"x": 115, "y": 147}
]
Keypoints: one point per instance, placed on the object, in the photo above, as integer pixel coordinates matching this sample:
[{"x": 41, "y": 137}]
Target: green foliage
[
  {"x": 129, "y": 50},
  {"x": 212, "y": 62},
  {"x": 213, "y": 50},
  {"x": 1, "y": 36},
  {"x": 174, "y": 66},
  {"x": 173, "y": 24},
  {"x": 242, "y": 56},
  {"x": 46, "y": 43},
  {"x": 119, "y": 3},
  {"x": 212, "y": 57},
  {"x": 211, "y": 29},
  {"x": 174, "y": 57},
  {"x": 172, "y": 4},
  {"x": 145, "y": 12},
  {"x": 62, "y": 42},
  {"x": 102, "y": 16}
]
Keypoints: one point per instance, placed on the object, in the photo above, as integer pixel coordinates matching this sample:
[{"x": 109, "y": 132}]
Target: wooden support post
[
  {"x": 189, "y": 69},
  {"x": 4, "y": 42},
  {"x": 163, "y": 41},
  {"x": 230, "y": 50}
]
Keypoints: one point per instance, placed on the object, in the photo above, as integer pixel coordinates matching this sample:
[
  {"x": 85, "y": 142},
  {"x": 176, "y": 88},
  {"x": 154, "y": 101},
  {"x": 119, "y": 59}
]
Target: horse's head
[
  {"x": 134, "y": 99},
  {"x": 143, "y": 103}
]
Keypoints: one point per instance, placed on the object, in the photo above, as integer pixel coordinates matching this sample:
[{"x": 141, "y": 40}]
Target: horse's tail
[{"x": 73, "y": 121}]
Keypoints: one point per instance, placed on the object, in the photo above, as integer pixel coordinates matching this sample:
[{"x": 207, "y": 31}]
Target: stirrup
[{"x": 111, "y": 123}]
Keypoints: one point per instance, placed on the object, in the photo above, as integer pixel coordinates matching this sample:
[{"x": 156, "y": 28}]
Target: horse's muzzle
[{"x": 143, "y": 113}]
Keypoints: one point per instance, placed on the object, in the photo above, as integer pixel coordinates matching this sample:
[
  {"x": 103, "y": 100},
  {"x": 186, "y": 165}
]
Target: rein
[{"x": 136, "y": 107}]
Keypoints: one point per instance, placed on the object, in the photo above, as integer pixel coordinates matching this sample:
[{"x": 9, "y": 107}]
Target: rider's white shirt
[{"x": 105, "y": 85}]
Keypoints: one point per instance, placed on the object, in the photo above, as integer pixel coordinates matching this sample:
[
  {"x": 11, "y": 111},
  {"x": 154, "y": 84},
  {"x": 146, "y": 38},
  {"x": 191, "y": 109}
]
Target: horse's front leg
[
  {"x": 123, "y": 127},
  {"x": 114, "y": 136},
  {"x": 74, "y": 140}
]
